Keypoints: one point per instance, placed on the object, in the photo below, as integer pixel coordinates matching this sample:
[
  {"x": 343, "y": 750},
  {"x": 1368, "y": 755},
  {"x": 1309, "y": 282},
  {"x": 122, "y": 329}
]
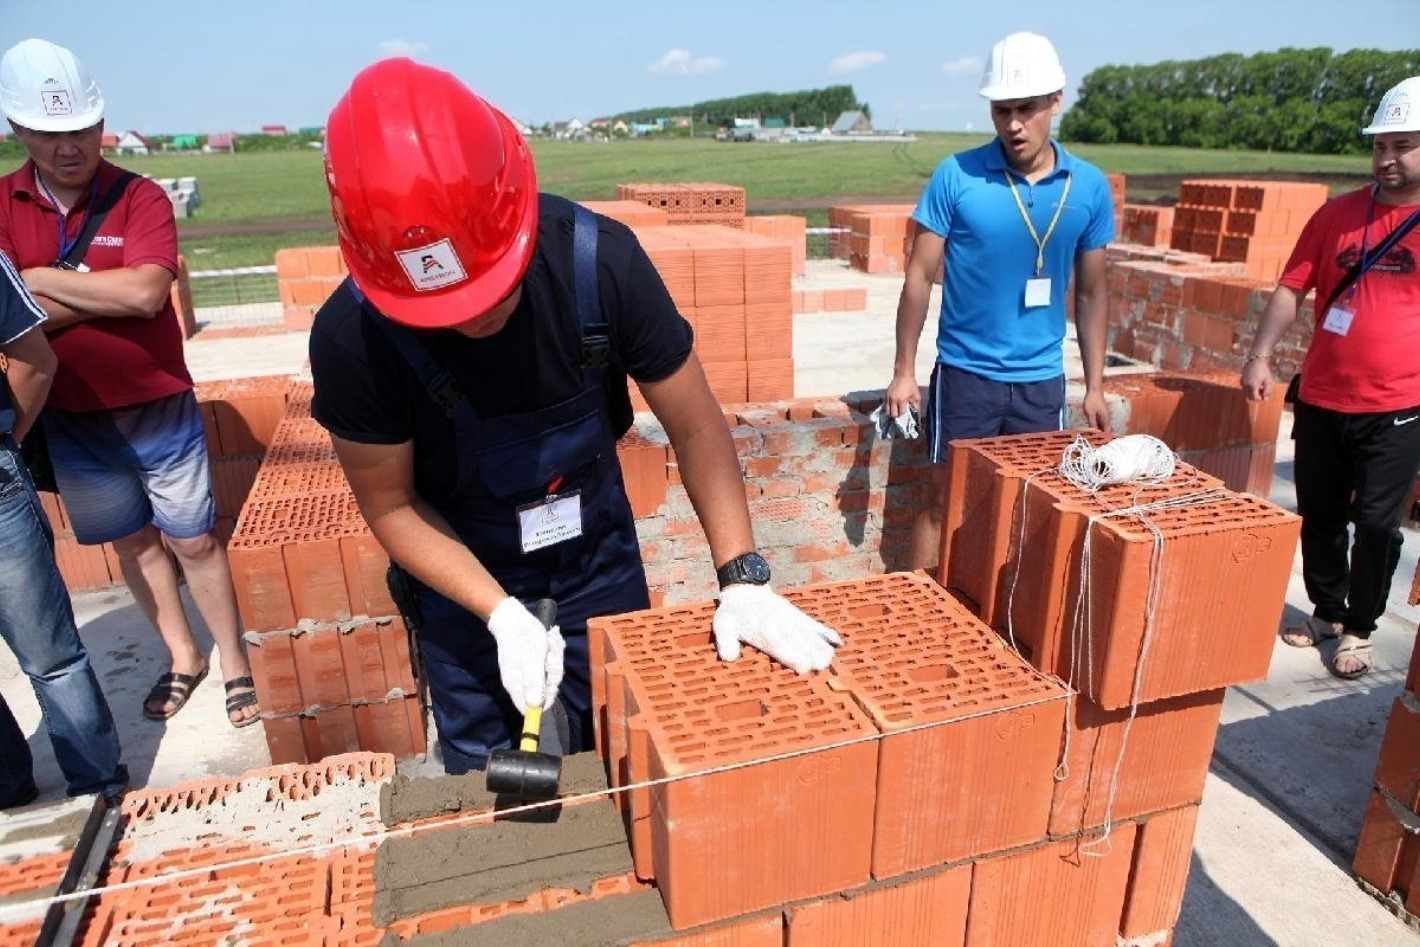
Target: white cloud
[
  {"x": 963, "y": 66},
  {"x": 402, "y": 47},
  {"x": 852, "y": 62},
  {"x": 681, "y": 62}
]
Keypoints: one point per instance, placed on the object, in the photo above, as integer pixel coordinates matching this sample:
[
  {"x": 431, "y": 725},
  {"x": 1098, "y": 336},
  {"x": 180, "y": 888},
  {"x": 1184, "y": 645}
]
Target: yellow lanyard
[{"x": 1040, "y": 241}]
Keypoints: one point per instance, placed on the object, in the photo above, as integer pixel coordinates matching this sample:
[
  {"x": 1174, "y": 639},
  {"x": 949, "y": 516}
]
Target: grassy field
[{"x": 253, "y": 204}]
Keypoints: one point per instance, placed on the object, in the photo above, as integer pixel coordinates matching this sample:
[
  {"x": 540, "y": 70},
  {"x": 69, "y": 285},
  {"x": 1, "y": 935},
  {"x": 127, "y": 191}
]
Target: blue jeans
[{"x": 37, "y": 622}]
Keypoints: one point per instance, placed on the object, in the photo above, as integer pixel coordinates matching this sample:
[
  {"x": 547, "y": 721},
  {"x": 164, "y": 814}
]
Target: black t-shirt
[{"x": 366, "y": 392}]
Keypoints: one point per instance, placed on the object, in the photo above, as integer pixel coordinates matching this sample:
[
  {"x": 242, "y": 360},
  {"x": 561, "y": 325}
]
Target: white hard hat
[
  {"x": 1021, "y": 66},
  {"x": 1399, "y": 110},
  {"x": 46, "y": 88}
]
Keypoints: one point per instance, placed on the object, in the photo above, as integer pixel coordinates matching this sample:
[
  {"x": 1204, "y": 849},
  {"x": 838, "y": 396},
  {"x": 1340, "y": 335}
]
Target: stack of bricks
[
  {"x": 793, "y": 230},
  {"x": 1254, "y": 223},
  {"x": 692, "y": 203},
  {"x": 842, "y": 219},
  {"x": 1146, "y": 226},
  {"x": 1387, "y": 858},
  {"x": 305, "y": 278},
  {"x": 1206, "y": 420},
  {"x": 879, "y": 239},
  {"x": 831, "y": 785},
  {"x": 329, "y": 653},
  {"x": 1101, "y": 590},
  {"x": 731, "y": 286}
]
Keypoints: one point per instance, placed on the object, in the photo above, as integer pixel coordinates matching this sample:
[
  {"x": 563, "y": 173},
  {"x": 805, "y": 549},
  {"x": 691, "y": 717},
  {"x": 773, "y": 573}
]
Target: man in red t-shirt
[
  {"x": 123, "y": 427},
  {"x": 1357, "y": 409}
]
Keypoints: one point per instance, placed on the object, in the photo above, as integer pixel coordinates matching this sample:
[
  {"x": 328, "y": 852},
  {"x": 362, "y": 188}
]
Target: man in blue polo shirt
[{"x": 1014, "y": 220}]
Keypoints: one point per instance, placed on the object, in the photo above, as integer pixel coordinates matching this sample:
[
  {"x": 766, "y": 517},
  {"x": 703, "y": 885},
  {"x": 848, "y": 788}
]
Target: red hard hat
[{"x": 433, "y": 193}]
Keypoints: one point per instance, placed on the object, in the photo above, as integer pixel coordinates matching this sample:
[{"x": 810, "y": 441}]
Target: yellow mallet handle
[{"x": 532, "y": 726}]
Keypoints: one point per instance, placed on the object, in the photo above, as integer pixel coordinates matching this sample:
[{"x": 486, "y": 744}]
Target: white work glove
[
  {"x": 759, "y": 616},
  {"x": 529, "y": 655}
]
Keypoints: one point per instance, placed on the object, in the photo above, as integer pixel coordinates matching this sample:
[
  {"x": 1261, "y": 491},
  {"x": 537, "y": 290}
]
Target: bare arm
[
  {"x": 69, "y": 297},
  {"x": 709, "y": 467},
  {"x": 414, "y": 535},
  {"x": 30, "y": 370},
  {"x": 1279, "y": 315},
  {"x": 923, "y": 266},
  {"x": 1092, "y": 330}
]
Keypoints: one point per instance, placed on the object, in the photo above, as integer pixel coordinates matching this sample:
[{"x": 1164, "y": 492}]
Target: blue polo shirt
[
  {"x": 985, "y": 327},
  {"x": 19, "y": 313}
]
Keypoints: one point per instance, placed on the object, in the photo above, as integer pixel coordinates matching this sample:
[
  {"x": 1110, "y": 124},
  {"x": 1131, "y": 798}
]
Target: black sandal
[
  {"x": 235, "y": 702},
  {"x": 173, "y": 688}
]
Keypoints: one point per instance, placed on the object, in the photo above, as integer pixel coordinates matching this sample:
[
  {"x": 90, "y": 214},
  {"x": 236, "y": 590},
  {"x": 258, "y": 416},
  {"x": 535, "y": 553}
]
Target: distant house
[
  {"x": 618, "y": 127},
  {"x": 108, "y": 145},
  {"x": 132, "y": 143},
  {"x": 184, "y": 143},
  {"x": 852, "y": 123},
  {"x": 312, "y": 131},
  {"x": 221, "y": 142},
  {"x": 275, "y": 131}
]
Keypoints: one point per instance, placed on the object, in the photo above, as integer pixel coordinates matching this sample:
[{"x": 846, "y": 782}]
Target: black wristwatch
[{"x": 746, "y": 569}]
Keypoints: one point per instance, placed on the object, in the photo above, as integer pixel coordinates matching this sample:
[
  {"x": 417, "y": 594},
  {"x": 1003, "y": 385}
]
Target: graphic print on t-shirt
[{"x": 1398, "y": 261}]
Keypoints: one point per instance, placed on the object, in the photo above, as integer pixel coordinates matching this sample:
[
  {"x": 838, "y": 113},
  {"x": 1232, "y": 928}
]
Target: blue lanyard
[
  {"x": 65, "y": 244},
  {"x": 1365, "y": 244}
]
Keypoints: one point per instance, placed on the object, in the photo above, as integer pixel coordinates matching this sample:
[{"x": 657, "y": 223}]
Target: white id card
[
  {"x": 1037, "y": 292},
  {"x": 1338, "y": 320},
  {"x": 550, "y": 521}
]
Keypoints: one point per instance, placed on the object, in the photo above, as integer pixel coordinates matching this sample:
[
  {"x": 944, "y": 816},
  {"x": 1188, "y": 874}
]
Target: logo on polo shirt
[
  {"x": 432, "y": 267},
  {"x": 115, "y": 240}
]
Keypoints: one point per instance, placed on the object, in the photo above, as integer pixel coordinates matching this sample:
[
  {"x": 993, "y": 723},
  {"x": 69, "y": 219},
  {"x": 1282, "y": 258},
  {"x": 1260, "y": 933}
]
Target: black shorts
[{"x": 961, "y": 405}]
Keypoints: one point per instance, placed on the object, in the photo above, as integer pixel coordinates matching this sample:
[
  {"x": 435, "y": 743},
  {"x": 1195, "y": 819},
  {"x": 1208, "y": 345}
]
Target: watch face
[{"x": 754, "y": 567}]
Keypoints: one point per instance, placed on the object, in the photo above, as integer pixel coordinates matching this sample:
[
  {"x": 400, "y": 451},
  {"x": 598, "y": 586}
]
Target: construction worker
[
  {"x": 472, "y": 374},
  {"x": 1013, "y": 219},
  {"x": 124, "y": 432},
  {"x": 1357, "y": 405}
]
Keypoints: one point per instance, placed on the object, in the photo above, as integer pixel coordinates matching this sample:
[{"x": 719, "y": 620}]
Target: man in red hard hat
[{"x": 472, "y": 374}]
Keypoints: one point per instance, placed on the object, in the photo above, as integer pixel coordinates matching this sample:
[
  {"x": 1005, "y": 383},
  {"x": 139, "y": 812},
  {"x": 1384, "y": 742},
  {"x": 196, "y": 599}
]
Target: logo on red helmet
[{"x": 432, "y": 267}]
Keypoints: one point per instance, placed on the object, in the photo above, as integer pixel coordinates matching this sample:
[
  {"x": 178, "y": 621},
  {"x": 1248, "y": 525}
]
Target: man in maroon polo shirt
[{"x": 124, "y": 432}]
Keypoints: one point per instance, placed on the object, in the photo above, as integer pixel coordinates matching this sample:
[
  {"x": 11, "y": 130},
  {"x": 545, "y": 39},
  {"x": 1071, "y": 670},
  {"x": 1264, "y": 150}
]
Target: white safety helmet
[
  {"x": 1399, "y": 110},
  {"x": 1021, "y": 66},
  {"x": 46, "y": 88}
]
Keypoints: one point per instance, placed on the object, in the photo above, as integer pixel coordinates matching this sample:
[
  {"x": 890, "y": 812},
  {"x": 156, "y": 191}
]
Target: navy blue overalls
[{"x": 505, "y": 463}]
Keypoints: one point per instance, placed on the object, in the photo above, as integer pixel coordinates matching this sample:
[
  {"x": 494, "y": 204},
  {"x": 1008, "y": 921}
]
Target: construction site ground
[{"x": 1285, "y": 794}]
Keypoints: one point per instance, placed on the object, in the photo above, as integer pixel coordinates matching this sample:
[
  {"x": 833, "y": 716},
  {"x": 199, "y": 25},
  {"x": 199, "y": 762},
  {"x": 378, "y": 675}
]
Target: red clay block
[
  {"x": 764, "y": 930},
  {"x": 259, "y": 576},
  {"x": 1239, "y": 547},
  {"x": 1163, "y": 764},
  {"x": 1056, "y": 888},
  {"x": 1398, "y": 770},
  {"x": 316, "y": 573},
  {"x": 1163, "y": 853},
  {"x": 700, "y": 714},
  {"x": 914, "y": 656},
  {"x": 365, "y": 564},
  {"x": 928, "y": 909},
  {"x": 1382, "y": 843}
]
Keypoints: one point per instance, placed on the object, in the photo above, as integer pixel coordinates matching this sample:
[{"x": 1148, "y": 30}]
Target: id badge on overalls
[
  {"x": 1037, "y": 292},
  {"x": 1338, "y": 320},
  {"x": 547, "y": 522}
]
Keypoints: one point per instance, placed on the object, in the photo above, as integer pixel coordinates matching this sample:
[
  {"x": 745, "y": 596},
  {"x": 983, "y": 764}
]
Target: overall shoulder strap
[
  {"x": 596, "y": 332},
  {"x": 441, "y": 386}
]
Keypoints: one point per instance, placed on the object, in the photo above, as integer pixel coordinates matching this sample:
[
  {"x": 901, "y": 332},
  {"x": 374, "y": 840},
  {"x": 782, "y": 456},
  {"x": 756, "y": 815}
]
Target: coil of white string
[{"x": 1133, "y": 458}]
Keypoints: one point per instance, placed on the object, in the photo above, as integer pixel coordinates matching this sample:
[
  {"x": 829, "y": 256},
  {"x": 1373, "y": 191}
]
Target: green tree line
[
  {"x": 806, "y": 107},
  {"x": 1296, "y": 100}
]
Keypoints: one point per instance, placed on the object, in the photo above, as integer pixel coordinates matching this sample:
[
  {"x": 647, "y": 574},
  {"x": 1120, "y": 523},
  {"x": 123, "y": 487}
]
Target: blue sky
[{"x": 194, "y": 66}]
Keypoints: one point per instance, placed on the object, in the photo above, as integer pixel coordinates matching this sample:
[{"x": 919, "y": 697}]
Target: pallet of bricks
[
  {"x": 1252, "y": 223},
  {"x": 1387, "y": 861}
]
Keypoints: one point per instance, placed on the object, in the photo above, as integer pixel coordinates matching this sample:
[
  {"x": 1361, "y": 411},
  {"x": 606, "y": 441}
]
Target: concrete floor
[{"x": 1284, "y": 797}]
